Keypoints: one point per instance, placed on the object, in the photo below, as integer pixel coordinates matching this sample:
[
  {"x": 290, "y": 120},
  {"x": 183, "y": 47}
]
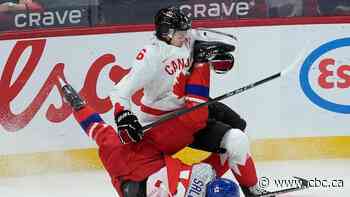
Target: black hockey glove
[
  {"x": 204, "y": 51},
  {"x": 129, "y": 128},
  {"x": 217, "y": 54}
]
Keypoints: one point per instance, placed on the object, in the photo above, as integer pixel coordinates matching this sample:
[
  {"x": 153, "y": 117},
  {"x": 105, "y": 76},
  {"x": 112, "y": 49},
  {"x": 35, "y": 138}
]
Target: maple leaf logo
[{"x": 179, "y": 85}]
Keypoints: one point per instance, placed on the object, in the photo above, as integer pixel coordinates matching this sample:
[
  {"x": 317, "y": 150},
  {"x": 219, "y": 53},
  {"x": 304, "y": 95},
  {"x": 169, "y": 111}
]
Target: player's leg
[
  {"x": 221, "y": 119},
  {"x": 122, "y": 161},
  {"x": 237, "y": 158},
  {"x": 223, "y": 113},
  {"x": 171, "y": 136},
  {"x": 104, "y": 135},
  {"x": 219, "y": 136},
  {"x": 209, "y": 138}
]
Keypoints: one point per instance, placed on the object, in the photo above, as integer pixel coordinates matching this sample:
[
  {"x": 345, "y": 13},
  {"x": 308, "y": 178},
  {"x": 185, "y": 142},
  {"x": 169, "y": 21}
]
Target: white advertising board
[{"x": 311, "y": 100}]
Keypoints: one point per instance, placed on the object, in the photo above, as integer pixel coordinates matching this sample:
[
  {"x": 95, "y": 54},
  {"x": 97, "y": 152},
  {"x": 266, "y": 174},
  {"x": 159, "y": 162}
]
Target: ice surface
[
  {"x": 75, "y": 184},
  {"x": 315, "y": 170},
  {"x": 97, "y": 183}
]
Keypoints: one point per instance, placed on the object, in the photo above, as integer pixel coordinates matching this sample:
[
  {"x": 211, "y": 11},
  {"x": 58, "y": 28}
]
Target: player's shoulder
[
  {"x": 161, "y": 48},
  {"x": 148, "y": 51}
]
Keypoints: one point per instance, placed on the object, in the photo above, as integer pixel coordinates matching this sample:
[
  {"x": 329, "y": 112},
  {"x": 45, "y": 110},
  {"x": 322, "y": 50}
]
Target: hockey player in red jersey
[
  {"x": 122, "y": 161},
  {"x": 170, "y": 81},
  {"x": 147, "y": 171}
]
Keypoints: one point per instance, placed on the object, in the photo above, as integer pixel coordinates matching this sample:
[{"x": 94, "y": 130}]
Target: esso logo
[{"x": 325, "y": 76}]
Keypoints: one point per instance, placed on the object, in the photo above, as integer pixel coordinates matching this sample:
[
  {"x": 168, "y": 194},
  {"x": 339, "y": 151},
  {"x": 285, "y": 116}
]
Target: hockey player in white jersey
[{"x": 174, "y": 73}]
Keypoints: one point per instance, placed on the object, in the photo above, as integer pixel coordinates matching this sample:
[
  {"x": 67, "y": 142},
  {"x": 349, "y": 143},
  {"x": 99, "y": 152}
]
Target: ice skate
[{"x": 71, "y": 96}]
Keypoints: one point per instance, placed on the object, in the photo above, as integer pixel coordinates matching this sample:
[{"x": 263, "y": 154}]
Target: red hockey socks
[{"x": 245, "y": 174}]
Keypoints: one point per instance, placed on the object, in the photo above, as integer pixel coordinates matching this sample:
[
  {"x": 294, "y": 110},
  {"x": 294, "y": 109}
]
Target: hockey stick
[
  {"x": 219, "y": 98},
  {"x": 180, "y": 112},
  {"x": 305, "y": 184}
]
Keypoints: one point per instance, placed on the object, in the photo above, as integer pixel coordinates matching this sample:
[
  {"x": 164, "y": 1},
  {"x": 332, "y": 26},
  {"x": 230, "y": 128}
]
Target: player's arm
[
  {"x": 196, "y": 92},
  {"x": 144, "y": 69}
]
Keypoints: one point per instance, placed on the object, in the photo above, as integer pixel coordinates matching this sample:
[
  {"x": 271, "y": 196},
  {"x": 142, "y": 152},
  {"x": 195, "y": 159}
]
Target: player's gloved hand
[
  {"x": 217, "y": 54},
  {"x": 129, "y": 128},
  {"x": 204, "y": 51}
]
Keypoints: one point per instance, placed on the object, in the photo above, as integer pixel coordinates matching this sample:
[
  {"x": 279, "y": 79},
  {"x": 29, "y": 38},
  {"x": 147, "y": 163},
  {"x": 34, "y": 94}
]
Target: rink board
[
  {"x": 303, "y": 115},
  {"x": 262, "y": 150}
]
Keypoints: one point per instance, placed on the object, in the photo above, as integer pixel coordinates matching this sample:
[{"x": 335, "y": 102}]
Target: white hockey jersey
[{"x": 160, "y": 70}]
